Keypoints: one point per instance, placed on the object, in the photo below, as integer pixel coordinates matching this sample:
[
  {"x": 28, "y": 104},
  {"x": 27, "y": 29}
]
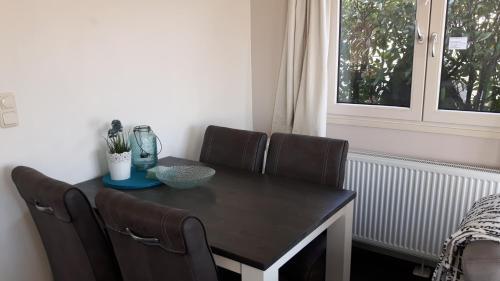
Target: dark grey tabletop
[{"x": 251, "y": 218}]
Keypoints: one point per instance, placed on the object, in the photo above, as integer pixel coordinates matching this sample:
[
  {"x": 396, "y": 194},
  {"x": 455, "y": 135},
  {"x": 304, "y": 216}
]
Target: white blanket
[{"x": 482, "y": 222}]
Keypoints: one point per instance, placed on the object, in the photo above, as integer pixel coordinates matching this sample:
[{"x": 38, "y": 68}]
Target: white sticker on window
[{"x": 457, "y": 43}]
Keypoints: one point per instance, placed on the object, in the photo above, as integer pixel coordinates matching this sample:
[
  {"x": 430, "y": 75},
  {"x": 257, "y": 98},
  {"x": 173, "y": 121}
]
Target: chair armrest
[{"x": 481, "y": 261}]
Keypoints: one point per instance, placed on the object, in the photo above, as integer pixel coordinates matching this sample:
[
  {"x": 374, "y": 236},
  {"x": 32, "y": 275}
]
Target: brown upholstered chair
[
  {"x": 234, "y": 148},
  {"x": 77, "y": 247},
  {"x": 154, "y": 242},
  {"x": 313, "y": 159}
]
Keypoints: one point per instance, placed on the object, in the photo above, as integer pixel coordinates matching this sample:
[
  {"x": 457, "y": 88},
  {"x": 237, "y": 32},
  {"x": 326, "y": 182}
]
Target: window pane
[
  {"x": 470, "y": 75},
  {"x": 376, "y": 52}
]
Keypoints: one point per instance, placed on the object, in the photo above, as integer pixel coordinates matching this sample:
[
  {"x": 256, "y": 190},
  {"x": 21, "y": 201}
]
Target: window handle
[
  {"x": 420, "y": 35},
  {"x": 434, "y": 38}
]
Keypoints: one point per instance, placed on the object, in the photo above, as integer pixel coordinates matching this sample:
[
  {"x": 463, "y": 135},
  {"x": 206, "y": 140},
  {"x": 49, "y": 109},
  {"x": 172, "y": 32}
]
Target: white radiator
[{"x": 412, "y": 206}]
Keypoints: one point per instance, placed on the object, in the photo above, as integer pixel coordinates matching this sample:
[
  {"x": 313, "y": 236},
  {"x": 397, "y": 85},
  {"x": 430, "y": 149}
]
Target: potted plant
[{"x": 118, "y": 154}]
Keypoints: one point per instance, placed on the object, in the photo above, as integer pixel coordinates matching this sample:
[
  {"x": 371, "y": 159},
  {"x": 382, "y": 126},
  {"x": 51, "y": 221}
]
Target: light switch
[
  {"x": 9, "y": 119},
  {"x": 7, "y": 102},
  {"x": 8, "y": 110}
]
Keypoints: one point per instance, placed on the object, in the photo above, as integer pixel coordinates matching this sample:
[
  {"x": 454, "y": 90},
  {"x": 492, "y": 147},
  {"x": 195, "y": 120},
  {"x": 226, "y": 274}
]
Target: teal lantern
[{"x": 144, "y": 148}]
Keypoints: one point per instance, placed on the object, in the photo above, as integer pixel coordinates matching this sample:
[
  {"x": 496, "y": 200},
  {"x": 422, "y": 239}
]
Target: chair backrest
[
  {"x": 76, "y": 245},
  {"x": 154, "y": 242},
  {"x": 234, "y": 148},
  {"x": 314, "y": 159}
]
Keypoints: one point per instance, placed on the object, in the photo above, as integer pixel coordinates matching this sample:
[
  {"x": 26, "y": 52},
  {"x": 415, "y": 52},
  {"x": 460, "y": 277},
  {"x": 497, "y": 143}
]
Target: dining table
[{"x": 255, "y": 222}]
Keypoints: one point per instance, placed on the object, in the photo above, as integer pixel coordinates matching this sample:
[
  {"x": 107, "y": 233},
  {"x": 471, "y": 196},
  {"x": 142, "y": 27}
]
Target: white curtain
[{"x": 304, "y": 82}]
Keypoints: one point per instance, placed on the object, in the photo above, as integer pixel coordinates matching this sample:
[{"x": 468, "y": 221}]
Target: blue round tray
[{"x": 137, "y": 180}]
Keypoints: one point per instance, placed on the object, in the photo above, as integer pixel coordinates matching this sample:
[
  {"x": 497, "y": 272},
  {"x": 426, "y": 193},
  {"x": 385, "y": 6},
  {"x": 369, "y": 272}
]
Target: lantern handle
[
  {"x": 161, "y": 145},
  {"x": 144, "y": 153}
]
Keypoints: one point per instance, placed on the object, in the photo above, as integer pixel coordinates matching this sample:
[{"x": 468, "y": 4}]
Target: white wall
[
  {"x": 268, "y": 27},
  {"x": 268, "y": 33},
  {"x": 177, "y": 65}
]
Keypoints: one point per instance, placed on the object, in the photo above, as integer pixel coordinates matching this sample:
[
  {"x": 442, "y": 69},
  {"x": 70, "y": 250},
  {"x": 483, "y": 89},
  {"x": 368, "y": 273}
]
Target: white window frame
[
  {"x": 423, "y": 113},
  {"x": 431, "y": 111}
]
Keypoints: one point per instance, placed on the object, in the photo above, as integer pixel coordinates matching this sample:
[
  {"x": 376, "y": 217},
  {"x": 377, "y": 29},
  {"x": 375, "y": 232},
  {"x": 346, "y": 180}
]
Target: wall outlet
[{"x": 8, "y": 110}]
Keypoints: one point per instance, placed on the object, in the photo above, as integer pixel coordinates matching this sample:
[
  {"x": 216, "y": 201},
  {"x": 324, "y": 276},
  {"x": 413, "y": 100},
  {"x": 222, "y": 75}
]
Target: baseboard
[{"x": 395, "y": 254}]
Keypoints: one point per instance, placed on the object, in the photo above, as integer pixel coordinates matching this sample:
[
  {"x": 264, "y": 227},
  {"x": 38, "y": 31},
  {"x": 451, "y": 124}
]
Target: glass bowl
[{"x": 184, "y": 177}]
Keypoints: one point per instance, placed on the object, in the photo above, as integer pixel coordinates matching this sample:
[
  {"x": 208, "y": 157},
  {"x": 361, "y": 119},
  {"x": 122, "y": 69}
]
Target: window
[
  {"x": 419, "y": 60},
  {"x": 376, "y": 52},
  {"x": 464, "y": 71}
]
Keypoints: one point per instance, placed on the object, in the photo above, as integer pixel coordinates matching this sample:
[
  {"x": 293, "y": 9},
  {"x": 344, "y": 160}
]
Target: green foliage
[
  {"x": 376, "y": 51},
  {"x": 470, "y": 79},
  {"x": 118, "y": 144},
  {"x": 376, "y": 54}
]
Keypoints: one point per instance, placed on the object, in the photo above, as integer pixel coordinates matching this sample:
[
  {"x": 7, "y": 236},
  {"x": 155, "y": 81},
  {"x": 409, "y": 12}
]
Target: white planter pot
[{"x": 119, "y": 165}]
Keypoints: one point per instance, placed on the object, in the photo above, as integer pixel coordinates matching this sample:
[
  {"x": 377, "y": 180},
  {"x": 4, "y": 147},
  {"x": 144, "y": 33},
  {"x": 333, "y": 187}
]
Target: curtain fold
[{"x": 304, "y": 82}]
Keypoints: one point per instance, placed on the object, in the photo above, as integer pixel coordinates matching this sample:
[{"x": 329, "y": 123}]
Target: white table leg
[
  {"x": 249, "y": 273},
  {"x": 338, "y": 252},
  {"x": 228, "y": 264},
  {"x": 338, "y": 248}
]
